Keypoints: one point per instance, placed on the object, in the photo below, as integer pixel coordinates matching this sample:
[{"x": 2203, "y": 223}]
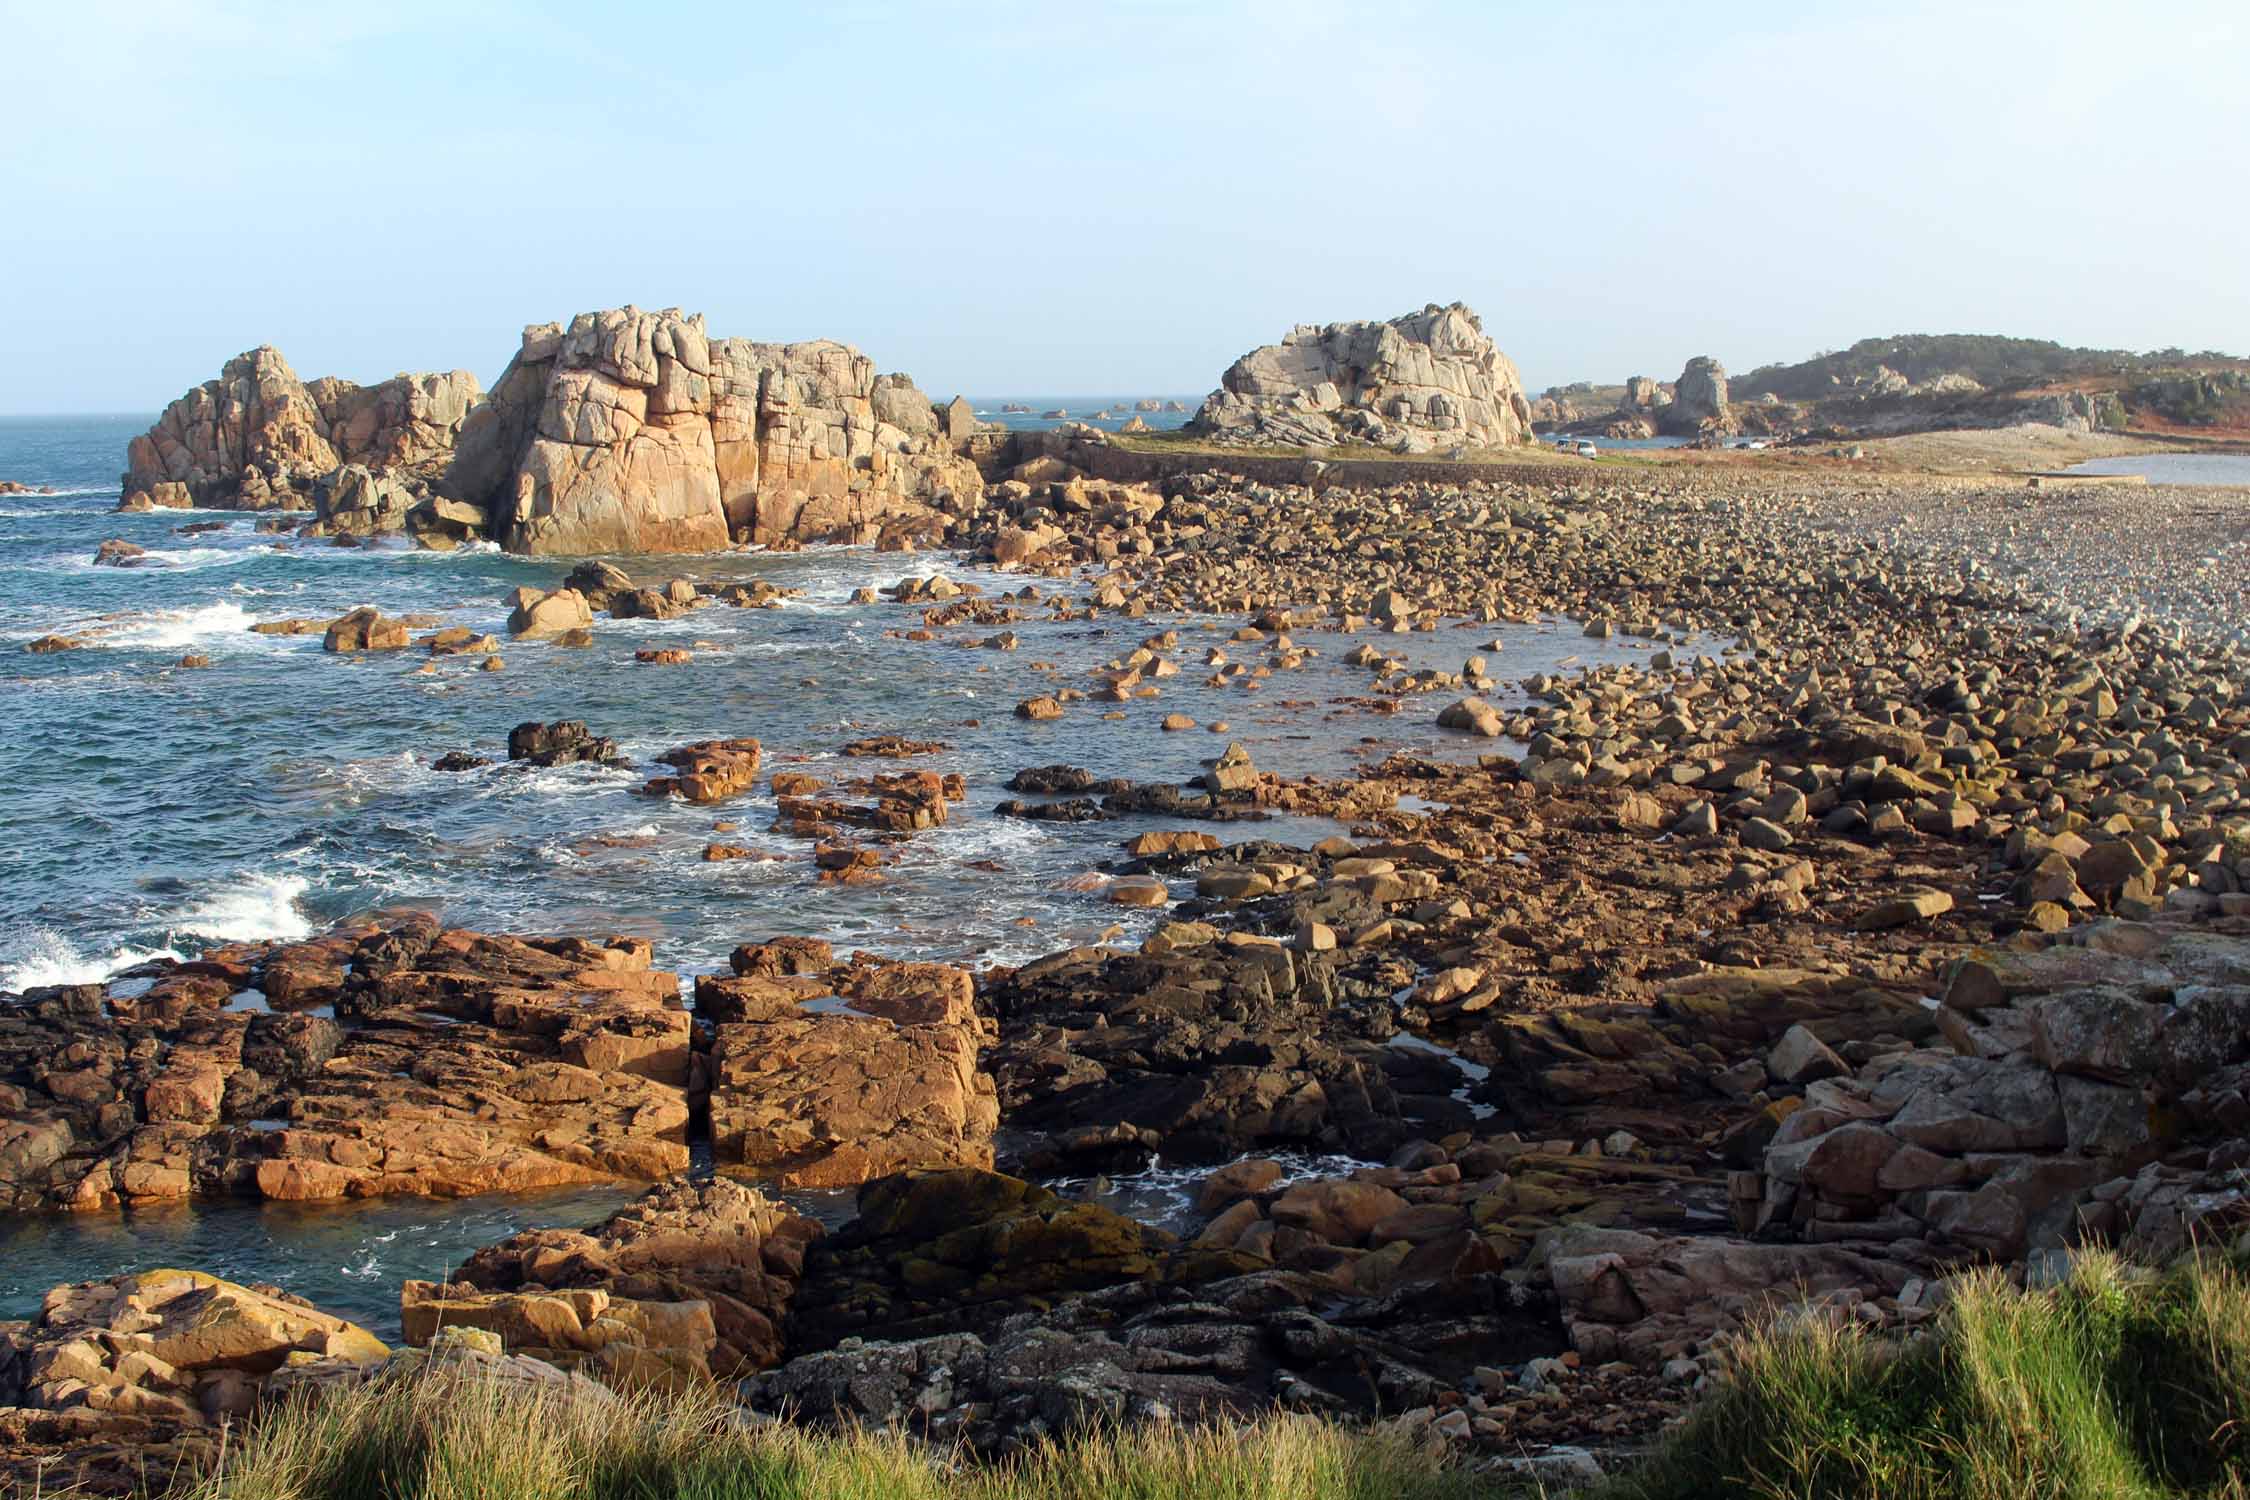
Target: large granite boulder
[
  {"x": 257, "y": 437},
  {"x": 167, "y": 1350},
  {"x": 829, "y": 1079},
  {"x": 633, "y": 431},
  {"x": 1418, "y": 381},
  {"x": 1699, "y": 400}
]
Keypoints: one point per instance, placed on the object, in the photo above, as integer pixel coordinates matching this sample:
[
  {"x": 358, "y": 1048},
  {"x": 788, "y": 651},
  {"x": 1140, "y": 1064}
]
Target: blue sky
[{"x": 1080, "y": 198}]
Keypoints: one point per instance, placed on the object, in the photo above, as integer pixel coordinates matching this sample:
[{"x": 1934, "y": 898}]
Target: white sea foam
[
  {"x": 192, "y": 559},
  {"x": 262, "y": 907},
  {"x": 433, "y": 554},
  {"x": 65, "y": 494},
  {"x": 171, "y": 629},
  {"x": 47, "y": 957}
]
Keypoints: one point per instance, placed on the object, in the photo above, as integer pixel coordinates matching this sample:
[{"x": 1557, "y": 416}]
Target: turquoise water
[
  {"x": 147, "y": 809},
  {"x": 2175, "y": 468}
]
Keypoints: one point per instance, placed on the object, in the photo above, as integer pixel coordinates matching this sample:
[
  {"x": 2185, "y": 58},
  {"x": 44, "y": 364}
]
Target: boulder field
[{"x": 1885, "y": 919}]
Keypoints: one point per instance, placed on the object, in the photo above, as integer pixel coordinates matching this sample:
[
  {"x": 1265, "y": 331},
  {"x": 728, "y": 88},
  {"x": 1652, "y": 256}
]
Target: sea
[
  {"x": 1109, "y": 413},
  {"x": 2175, "y": 468},
  {"x": 148, "y": 808}
]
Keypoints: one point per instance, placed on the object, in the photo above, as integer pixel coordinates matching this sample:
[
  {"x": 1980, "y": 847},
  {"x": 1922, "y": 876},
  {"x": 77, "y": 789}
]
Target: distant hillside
[{"x": 1992, "y": 361}]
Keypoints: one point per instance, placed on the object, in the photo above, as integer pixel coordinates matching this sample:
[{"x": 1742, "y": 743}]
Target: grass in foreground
[
  {"x": 2120, "y": 1383},
  {"x": 442, "y": 1438}
]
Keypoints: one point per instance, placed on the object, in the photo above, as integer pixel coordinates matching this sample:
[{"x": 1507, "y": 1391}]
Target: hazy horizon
[{"x": 1108, "y": 199}]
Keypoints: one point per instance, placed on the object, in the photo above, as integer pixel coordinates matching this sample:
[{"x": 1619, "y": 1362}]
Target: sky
[{"x": 1068, "y": 198}]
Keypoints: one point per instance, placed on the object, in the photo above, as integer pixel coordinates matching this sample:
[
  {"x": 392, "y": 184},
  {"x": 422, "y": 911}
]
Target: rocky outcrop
[
  {"x": 1156, "y": 1350},
  {"x": 122, "y": 1378},
  {"x": 718, "y": 1243},
  {"x": 258, "y": 438},
  {"x": 2062, "y": 1071},
  {"x": 1007, "y": 1312},
  {"x": 943, "y": 1252},
  {"x": 1651, "y": 1298},
  {"x": 624, "y": 1344},
  {"x": 388, "y": 1059},
  {"x": 1199, "y": 1048},
  {"x": 1643, "y": 394},
  {"x": 827, "y": 1076},
  {"x": 1419, "y": 381},
  {"x": 1699, "y": 400},
  {"x": 637, "y": 432},
  {"x": 354, "y": 500},
  {"x": 709, "y": 771}
]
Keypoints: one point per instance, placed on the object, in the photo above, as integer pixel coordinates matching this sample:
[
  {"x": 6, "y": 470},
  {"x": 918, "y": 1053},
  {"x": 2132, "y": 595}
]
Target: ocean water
[
  {"x": 1087, "y": 409},
  {"x": 146, "y": 808},
  {"x": 2175, "y": 468}
]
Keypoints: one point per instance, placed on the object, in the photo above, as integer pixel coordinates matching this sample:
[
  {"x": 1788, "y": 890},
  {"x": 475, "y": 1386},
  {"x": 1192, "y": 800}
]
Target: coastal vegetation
[
  {"x": 2119, "y": 1381},
  {"x": 436, "y": 1437},
  {"x": 1992, "y": 360}
]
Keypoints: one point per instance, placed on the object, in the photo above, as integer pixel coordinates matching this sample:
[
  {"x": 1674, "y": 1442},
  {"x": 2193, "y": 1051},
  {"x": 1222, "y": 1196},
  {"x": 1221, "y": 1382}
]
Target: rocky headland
[
  {"x": 1919, "y": 383},
  {"x": 1887, "y": 919}
]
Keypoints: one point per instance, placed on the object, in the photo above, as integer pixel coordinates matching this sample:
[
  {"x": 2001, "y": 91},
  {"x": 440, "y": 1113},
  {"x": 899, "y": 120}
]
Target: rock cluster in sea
[
  {"x": 258, "y": 438},
  {"x": 622, "y": 431}
]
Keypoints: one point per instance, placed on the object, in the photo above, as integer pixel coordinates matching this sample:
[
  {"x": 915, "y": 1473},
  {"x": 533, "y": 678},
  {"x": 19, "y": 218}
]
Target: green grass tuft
[
  {"x": 444, "y": 1437},
  {"x": 2120, "y": 1383}
]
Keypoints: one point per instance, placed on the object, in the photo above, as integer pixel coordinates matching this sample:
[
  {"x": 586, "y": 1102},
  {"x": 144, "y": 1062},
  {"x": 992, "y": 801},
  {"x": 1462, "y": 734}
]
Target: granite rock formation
[
  {"x": 633, "y": 431},
  {"x": 563, "y": 1061},
  {"x": 1413, "y": 383},
  {"x": 1699, "y": 400},
  {"x": 716, "y": 1243},
  {"x": 1643, "y": 394},
  {"x": 113, "y": 1383},
  {"x": 258, "y": 438},
  {"x": 827, "y": 1077}
]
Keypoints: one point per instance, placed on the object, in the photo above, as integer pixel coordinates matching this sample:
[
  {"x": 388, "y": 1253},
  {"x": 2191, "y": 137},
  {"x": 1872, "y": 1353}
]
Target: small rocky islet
[{"x": 1888, "y": 917}]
